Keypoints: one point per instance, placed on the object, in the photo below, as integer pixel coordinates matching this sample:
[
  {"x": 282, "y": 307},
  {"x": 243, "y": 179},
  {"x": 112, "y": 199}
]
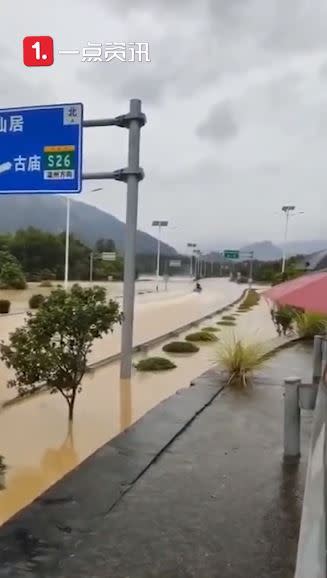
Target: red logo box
[{"x": 38, "y": 51}]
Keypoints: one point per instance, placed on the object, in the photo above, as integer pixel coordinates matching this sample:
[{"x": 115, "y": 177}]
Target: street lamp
[
  {"x": 192, "y": 246},
  {"x": 159, "y": 224},
  {"x": 289, "y": 212},
  {"x": 197, "y": 271}
]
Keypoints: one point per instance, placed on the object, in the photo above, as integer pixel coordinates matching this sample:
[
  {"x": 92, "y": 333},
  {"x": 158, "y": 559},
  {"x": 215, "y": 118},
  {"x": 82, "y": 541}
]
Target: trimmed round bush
[
  {"x": 155, "y": 364},
  {"x": 5, "y": 305},
  {"x": 226, "y": 323},
  {"x": 47, "y": 275},
  {"x": 204, "y": 336},
  {"x": 180, "y": 347},
  {"x": 228, "y": 318},
  {"x": 210, "y": 328},
  {"x": 36, "y": 300}
]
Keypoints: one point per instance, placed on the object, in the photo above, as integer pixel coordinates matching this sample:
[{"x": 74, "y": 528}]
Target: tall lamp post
[
  {"x": 159, "y": 224},
  {"x": 288, "y": 210},
  {"x": 192, "y": 246},
  {"x": 197, "y": 272}
]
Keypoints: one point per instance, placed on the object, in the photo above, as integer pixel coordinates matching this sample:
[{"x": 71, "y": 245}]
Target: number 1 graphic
[
  {"x": 37, "y": 48},
  {"x": 38, "y": 51}
]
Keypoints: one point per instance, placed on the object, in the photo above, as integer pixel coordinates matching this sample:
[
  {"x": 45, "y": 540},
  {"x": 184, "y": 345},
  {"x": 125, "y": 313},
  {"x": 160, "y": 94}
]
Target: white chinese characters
[
  {"x": 110, "y": 51},
  {"x": 14, "y": 123},
  {"x": 62, "y": 175},
  {"x": 30, "y": 164}
]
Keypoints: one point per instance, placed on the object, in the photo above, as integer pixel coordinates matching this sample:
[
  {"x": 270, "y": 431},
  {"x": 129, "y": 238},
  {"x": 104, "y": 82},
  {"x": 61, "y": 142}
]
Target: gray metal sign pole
[
  {"x": 133, "y": 121},
  {"x": 251, "y": 270},
  {"x": 130, "y": 239}
]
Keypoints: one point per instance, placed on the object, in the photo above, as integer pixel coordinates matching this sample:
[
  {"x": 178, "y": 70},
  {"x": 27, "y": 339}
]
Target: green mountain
[{"x": 88, "y": 223}]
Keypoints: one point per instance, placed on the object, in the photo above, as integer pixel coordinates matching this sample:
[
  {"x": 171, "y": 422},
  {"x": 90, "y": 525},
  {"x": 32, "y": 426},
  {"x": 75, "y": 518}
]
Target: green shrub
[
  {"x": 53, "y": 345},
  {"x": 47, "y": 275},
  {"x": 180, "y": 347},
  {"x": 12, "y": 276},
  {"x": 310, "y": 324},
  {"x": 252, "y": 298},
  {"x": 155, "y": 364},
  {"x": 228, "y": 318},
  {"x": 204, "y": 336},
  {"x": 226, "y": 323},
  {"x": 210, "y": 328},
  {"x": 46, "y": 283},
  {"x": 240, "y": 359},
  {"x": 283, "y": 319},
  {"x": 36, "y": 300},
  {"x": 4, "y": 306}
]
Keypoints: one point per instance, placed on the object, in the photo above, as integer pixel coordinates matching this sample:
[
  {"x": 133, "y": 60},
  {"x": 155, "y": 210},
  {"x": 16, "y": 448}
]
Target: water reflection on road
[{"x": 33, "y": 435}]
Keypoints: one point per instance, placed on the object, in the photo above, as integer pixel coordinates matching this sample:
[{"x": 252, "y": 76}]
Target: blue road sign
[{"x": 41, "y": 149}]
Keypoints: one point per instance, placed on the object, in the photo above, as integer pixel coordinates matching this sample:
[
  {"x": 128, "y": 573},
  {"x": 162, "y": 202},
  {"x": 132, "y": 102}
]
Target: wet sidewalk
[{"x": 198, "y": 487}]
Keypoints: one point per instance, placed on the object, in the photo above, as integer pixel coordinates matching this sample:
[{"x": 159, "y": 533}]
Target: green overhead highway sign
[{"x": 231, "y": 254}]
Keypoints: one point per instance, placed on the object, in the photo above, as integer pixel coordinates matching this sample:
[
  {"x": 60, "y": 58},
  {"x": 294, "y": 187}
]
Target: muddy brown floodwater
[{"x": 38, "y": 449}]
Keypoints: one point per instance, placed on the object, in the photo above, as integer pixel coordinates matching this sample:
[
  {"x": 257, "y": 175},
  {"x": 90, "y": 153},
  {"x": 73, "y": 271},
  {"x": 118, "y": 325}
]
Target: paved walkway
[{"x": 219, "y": 503}]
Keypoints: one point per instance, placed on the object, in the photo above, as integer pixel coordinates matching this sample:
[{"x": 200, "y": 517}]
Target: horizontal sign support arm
[
  {"x": 119, "y": 175},
  {"x": 122, "y": 120}
]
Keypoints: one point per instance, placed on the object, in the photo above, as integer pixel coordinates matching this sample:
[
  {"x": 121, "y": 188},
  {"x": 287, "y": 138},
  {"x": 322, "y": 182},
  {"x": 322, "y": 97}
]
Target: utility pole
[
  {"x": 287, "y": 209},
  {"x": 67, "y": 243},
  {"x": 192, "y": 246},
  {"x": 289, "y": 212},
  {"x": 159, "y": 224},
  {"x": 251, "y": 270},
  {"x": 91, "y": 267}
]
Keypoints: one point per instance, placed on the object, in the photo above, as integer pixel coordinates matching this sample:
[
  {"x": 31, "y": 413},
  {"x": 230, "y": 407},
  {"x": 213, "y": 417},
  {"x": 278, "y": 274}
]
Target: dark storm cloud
[
  {"x": 178, "y": 67},
  {"x": 220, "y": 125},
  {"x": 279, "y": 25},
  {"x": 297, "y": 26},
  {"x": 201, "y": 42},
  {"x": 127, "y": 80}
]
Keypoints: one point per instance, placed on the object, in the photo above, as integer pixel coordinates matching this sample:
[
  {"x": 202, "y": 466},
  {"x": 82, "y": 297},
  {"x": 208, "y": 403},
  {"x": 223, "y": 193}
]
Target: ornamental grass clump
[
  {"x": 239, "y": 360},
  {"x": 309, "y": 324}
]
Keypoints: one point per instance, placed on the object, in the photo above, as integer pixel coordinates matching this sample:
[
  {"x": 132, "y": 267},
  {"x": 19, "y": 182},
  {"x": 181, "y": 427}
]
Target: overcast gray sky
[{"x": 236, "y": 101}]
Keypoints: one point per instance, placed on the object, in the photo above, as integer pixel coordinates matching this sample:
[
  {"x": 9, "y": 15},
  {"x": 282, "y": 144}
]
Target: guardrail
[{"x": 311, "y": 554}]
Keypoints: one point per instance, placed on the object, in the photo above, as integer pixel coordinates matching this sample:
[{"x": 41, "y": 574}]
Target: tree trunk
[
  {"x": 71, "y": 409},
  {"x": 71, "y": 405}
]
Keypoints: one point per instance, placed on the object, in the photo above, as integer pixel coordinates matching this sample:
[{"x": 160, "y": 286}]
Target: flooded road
[
  {"x": 34, "y": 440},
  {"x": 155, "y": 315},
  {"x": 145, "y": 291}
]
